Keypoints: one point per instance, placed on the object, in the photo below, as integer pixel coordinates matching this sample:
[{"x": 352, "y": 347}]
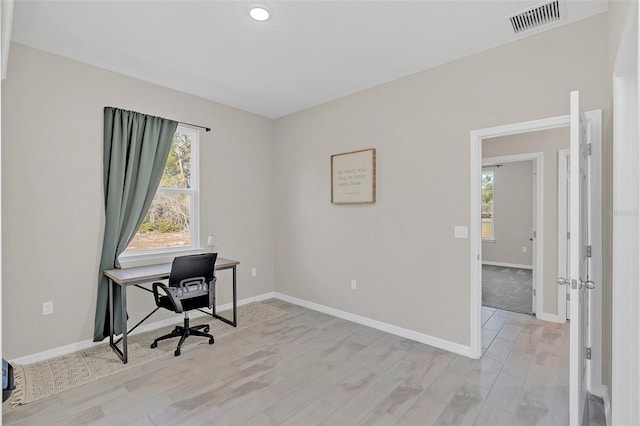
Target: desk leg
[
  {"x": 112, "y": 331},
  {"x": 123, "y": 298},
  {"x": 214, "y": 314},
  {"x": 235, "y": 299},
  {"x": 111, "y": 327}
]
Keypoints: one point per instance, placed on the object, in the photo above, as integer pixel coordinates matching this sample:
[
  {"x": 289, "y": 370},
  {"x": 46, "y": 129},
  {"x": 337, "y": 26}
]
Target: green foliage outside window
[
  {"x": 177, "y": 171},
  {"x": 169, "y": 211},
  {"x": 487, "y": 205}
]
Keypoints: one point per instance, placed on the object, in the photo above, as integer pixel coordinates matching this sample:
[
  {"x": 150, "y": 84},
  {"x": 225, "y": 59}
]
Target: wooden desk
[{"x": 144, "y": 274}]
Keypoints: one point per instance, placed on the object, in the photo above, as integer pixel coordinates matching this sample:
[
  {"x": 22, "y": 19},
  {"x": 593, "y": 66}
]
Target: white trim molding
[
  {"x": 6, "y": 11},
  {"x": 625, "y": 216},
  {"x": 563, "y": 193},
  {"x": 607, "y": 404},
  {"x": 379, "y": 325},
  {"x": 507, "y": 265},
  {"x": 544, "y": 316},
  {"x": 73, "y": 347}
]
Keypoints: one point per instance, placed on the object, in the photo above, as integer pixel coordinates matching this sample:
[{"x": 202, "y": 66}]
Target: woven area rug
[{"x": 46, "y": 378}]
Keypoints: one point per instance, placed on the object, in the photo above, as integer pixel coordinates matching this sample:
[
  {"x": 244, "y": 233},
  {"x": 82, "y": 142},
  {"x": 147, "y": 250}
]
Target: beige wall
[
  {"x": 548, "y": 142},
  {"x": 53, "y": 199},
  {"x": 513, "y": 212},
  {"x": 412, "y": 273}
]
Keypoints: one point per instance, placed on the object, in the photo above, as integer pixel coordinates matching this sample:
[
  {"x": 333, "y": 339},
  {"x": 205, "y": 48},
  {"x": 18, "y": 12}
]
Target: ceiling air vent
[{"x": 536, "y": 17}]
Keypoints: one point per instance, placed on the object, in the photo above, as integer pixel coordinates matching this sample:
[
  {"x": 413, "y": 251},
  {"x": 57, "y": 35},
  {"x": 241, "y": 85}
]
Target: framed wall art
[{"x": 353, "y": 177}]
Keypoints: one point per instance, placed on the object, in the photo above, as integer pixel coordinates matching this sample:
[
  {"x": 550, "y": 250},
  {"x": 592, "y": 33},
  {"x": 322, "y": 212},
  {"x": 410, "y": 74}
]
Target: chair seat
[{"x": 187, "y": 304}]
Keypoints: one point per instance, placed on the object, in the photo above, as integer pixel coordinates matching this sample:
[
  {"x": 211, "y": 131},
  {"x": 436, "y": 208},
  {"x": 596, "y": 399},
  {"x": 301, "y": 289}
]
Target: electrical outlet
[
  {"x": 524, "y": 249},
  {"x": 47, "y": 308},
  {"x": 254, "y": 272},
  {"x": 354, "y": 285}
]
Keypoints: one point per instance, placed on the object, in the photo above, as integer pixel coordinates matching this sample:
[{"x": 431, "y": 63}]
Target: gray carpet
[{"x": 507, "y": 288}]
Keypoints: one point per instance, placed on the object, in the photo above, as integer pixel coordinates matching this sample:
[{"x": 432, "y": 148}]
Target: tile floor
[{"x": 527, "y": 361}]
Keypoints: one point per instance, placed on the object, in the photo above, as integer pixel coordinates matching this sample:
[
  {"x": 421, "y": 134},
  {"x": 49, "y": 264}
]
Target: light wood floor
[{"x": 310, "y": 368}]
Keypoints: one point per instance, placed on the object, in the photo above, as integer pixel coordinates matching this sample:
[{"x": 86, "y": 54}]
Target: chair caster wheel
[
  {"x": 211, "y": 341},
  {"x": 206, "y": 329},
  {"x": 154, "y": 345},
  {"x": 177, "y": 352}
]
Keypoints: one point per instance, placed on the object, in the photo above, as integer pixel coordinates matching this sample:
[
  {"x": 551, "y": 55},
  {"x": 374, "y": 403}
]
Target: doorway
[
  {"x": 549, "y": 309},
  {"x": 511, "y": 228}
]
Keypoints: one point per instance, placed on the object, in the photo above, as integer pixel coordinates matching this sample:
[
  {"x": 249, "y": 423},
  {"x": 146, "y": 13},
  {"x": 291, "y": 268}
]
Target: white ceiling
[{"x": 308, "y": 53}]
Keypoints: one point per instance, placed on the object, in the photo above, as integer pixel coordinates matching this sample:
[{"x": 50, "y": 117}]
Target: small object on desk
[{"x": 212, "y": 243}]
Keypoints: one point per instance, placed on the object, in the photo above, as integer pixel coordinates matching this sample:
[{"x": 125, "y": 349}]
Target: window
[
  {"x": 487, "y": 206},
  {"x": 172, "y": 220}
]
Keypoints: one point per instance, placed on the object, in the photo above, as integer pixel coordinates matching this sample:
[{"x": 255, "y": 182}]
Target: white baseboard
[
  {"x": 550, "y": 317},
  {"x": 607, "y": 404},
  {"x": 598, "y": 391},
  {"x": 379, "y": 325},
  {"x": 389, "y": 328},
  {"x": 73, "y": 347},
  {"x": 603, "y": 392},
  {"x": 507, "y": 265}
]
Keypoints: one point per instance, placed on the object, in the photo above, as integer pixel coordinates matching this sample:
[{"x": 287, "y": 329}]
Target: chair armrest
[{"x": 171, "y": 294}]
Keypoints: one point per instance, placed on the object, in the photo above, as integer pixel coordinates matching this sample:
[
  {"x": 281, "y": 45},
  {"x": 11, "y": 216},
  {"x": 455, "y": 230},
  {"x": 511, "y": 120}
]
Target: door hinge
[
  {"x": 568, "y": 235},
  {"x": 588, "y": 251},
  {"x": 568, "y": 297},
  {"x": 588, "y": 149},
  {"x": 534, "y": 291},
  {"x": 588, "y": 355}
]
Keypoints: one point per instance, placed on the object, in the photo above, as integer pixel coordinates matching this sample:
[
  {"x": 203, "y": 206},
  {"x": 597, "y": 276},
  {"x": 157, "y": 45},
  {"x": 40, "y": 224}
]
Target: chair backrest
[{"x": 197, "y": 265}]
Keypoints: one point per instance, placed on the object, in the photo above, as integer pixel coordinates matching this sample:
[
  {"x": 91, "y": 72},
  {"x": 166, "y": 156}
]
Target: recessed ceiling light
[{"x": 259, "y": 13}]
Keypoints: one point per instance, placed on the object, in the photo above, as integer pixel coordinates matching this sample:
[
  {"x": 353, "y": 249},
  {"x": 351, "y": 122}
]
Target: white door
[
  {"x": 564, "y": 170},
  {"x": 578, "y": 279}
]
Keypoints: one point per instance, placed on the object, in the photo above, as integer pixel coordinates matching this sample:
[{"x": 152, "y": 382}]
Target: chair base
[{"x": 183, "y": 332}]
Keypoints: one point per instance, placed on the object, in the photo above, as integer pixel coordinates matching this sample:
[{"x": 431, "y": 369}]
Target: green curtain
[{"x": 136, "y": 147}]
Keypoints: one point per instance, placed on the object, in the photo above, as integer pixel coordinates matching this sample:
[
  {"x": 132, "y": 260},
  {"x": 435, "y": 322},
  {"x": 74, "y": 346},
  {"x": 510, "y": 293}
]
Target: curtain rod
[{"x": 206, "y": 129}]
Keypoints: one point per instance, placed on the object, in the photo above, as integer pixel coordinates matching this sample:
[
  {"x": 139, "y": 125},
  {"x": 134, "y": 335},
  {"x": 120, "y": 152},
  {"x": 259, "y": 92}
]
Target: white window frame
[
  {"x": 493, "y": 210},
  {"x": 162, "y": 255}
]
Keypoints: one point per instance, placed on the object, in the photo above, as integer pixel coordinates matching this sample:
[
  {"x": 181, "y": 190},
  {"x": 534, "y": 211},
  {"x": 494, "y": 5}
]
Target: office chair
[{"x": 192, "y": 285}]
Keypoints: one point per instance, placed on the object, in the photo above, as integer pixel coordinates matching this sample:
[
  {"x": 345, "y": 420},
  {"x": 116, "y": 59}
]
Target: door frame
[
  {"x": 538, "y": 217},
  {"x": 475, "y": 253},
  {"x": 625, "y": 320},
  {"x": 563, "y": 190}
]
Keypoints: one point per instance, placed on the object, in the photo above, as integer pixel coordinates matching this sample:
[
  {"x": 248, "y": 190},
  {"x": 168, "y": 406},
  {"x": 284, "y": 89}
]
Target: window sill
[
  {"x": 488, "y": 240},
  {"x": 145, "y": 258}
]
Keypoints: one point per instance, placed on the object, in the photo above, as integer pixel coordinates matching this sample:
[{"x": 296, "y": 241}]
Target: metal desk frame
[{"x": 144, "y": 274}]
